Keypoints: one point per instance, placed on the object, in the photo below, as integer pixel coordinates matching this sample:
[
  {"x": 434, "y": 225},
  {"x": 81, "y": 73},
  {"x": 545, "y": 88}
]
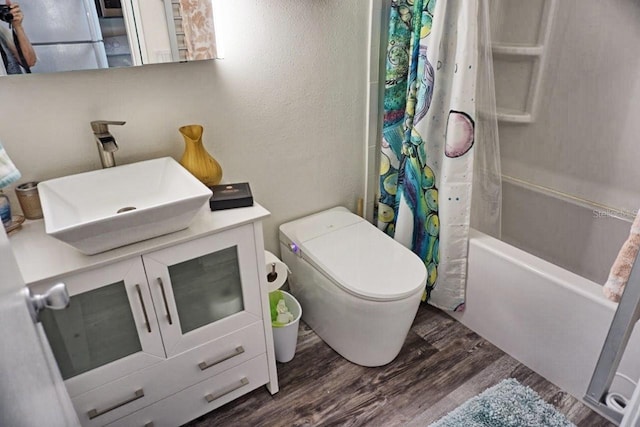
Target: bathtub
[{"x": 536, "y": 294}]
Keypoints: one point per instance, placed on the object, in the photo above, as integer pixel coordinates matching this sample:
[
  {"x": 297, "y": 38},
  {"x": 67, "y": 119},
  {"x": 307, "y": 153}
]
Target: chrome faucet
[{"x": 106, "y": 142}]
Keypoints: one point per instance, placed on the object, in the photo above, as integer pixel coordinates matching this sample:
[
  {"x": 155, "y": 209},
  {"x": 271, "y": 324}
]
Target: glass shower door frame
[
  {"x": 132, "y": 273},
  {"x": 157, "y": 267}
]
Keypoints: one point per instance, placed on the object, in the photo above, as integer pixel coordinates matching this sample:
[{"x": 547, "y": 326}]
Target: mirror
[{"x": 69, "y": 35}]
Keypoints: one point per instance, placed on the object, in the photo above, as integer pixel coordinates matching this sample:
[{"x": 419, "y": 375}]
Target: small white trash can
[{"x": 285, "y": 338}]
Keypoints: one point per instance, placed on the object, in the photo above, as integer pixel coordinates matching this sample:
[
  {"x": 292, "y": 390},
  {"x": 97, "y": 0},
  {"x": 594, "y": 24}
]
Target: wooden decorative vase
[{"x": 196, "y": 159}]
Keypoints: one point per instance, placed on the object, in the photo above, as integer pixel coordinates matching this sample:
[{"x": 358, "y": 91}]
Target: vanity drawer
[
  {"x": 126, "y": 395},
  {"x": 216, "y": 356},
  {"x": 201, "y": 398}
]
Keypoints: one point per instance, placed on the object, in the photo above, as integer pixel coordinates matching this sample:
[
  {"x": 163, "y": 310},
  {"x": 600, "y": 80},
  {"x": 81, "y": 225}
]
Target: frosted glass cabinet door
[
  {"x": 205, "y": 288},
  {"x": 109, "y": 329}
]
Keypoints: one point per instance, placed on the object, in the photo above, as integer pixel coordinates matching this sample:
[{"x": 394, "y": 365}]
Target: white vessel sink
[{"x": 104, "y": 209}]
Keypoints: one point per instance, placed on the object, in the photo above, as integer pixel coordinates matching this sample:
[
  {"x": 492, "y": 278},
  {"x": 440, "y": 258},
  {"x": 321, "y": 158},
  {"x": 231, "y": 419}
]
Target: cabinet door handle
[
  {"x": 144, "y": 309},
  {"x": 238, "y": 351},
  {"x": 213, "y": 396},
  {"x": 93, "y": 413},
  {"x": 164, "y": 298}
]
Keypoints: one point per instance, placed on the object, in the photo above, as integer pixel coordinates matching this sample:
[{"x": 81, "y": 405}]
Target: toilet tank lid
[
  {"x": 357, "y": 256},
  {"x": 312, "y": 226}
]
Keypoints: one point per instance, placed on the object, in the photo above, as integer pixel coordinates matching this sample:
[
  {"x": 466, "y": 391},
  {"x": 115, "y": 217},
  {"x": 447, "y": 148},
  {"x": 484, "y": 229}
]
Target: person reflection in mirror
[{"x": 13, "y": 62}]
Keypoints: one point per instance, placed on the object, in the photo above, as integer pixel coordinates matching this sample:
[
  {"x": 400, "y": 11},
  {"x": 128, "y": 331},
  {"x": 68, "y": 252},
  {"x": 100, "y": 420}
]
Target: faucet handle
[{"x": 102, "y": 126}]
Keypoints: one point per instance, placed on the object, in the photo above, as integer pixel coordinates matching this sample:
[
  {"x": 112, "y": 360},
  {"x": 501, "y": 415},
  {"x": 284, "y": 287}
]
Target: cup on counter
[{"x": 29, "y": 200}]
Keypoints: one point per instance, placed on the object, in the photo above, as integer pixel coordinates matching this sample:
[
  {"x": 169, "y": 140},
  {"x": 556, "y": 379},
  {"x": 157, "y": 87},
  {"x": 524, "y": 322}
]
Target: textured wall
[
  {"x": 586, "y": 140},
  {"x": 284, "y": 109}
]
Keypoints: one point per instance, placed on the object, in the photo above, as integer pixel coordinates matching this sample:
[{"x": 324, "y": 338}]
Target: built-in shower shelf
[
  {"x": 505, "y": 116},
  {"x": 516, "y": 50},
  {"x": 510, "y": 117},
  {"x": 519, "y": 67}
]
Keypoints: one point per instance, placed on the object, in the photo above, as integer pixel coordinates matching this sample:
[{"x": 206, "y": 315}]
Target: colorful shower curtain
[{"x": 427, "y": 158}]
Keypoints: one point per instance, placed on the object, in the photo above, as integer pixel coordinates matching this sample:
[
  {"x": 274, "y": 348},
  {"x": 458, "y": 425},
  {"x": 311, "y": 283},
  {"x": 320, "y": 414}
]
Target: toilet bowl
[{"x": 359, "y": 289}]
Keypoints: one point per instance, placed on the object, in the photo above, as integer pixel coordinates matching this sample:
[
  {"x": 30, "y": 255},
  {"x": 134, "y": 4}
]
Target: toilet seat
[{"x": 356, "y": 256}]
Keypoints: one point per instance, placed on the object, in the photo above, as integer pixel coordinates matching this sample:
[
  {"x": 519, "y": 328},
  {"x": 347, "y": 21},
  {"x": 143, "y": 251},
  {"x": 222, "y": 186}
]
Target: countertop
[{"x": 41, "y": 257}]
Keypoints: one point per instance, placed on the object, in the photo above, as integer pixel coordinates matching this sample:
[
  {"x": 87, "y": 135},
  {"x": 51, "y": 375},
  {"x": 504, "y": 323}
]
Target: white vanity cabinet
[
  {"x": 164, "y": 330},
  {"x": 109, "y": 329},
  {"x": 205, "y": 288}
]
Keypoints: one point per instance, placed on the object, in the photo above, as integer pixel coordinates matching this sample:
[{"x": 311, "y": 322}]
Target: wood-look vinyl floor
[{"x": 442, "y": 364}]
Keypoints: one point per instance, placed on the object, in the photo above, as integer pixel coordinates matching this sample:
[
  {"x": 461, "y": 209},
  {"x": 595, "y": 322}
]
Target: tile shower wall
[
  {"x": 284, "y": 110},
  {"x": 584, "y": 140}
]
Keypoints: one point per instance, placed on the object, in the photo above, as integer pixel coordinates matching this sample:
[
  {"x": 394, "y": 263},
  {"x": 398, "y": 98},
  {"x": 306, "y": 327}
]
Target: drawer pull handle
[
  {"x": 166, "y": 304},
  {"x": 238, "y": 351},
  {"x": 144, "y": 309},
  {"x": 139, "y": 394},
  {"x": 211, "y": 397},
  {"x": 149, "y": 424}
]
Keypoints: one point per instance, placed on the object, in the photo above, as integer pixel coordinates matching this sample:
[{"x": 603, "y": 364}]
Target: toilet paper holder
[
  {"x": 273, "y": 275},
  {"x": 276, "y": 271}
]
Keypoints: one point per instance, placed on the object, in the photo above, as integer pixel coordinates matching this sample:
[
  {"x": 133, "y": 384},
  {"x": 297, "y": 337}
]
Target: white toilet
[{"x": 359, "y": 289}]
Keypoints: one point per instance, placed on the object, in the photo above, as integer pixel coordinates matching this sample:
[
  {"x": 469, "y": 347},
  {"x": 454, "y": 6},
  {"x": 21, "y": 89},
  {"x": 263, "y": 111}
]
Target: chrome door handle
[
  {"x": 213, "y": 396},
  {"x": 56, "y": 298},
  {"x": 238, "y": 351},
  {"x": 144, "y": 309},
  {"x": 93, "y": 413},
  {"x": 166, "y": 304}
]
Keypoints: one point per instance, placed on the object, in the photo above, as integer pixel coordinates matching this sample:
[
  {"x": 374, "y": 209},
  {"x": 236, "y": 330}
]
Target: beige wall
[{"x": 284, "y": 110}]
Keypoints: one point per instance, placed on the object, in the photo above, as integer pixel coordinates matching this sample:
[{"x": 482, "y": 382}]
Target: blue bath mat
[{"x": 507, "y": 404}]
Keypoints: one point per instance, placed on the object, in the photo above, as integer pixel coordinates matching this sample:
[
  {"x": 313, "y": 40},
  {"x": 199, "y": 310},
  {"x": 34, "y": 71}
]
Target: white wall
[
  {"x": 586, "y": 138},
  {"x": 284, "y": 110}
]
